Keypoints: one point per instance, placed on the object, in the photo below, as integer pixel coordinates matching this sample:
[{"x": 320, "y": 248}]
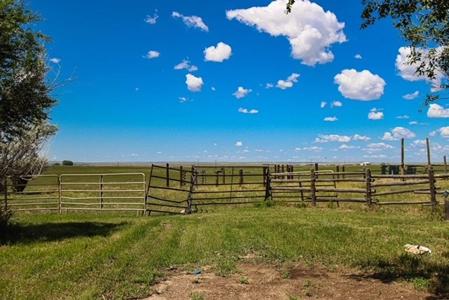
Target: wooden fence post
[
  {"x": 224, "y": 175},
  {"x": 218, "y": 178},
  {"x": 268, "y": 194},
  {"x": 432, "y": 187},
  {"x": 337, "y": 169},
  {"x": 167, "y": 175},
  {"x": 429, "y": 163},
  {"x": 313, "y": 186},
  {"x": 241, "y": 176},
  {"x": 402, "y": 157},
  {"x": 316, "y": 167},
  {"x": 343, "y": 171},
  {"x": 181, "y": 178},
  {"x": 368, "y": 195}
]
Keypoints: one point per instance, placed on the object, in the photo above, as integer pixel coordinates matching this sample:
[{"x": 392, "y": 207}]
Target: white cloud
[
  {"x": 347, "y": 147},
  {"x": 374, "y": 114},
  {"x": 248, "y": 111},
  {"x": 413, "y": 123},
  {"x": 186, "y": 65},
  {"x": 378, "y": 147},
  {"x": 194, "y": 84},
  {"x": 330, "y": 119},
  {"x": 241, "y": 92},
  {"x": 437, "y": 111},
  {"x": 269, "y": 85},
  {"x": 238, "y": 144},
  {"x": 444, "y": 131},
  {"x": 358, "y": 137},
  {"x": 153, "y": 54},
  {"x": 363, "y": 85},
  {"x": 323, "y": 104},
  {"x": 325, "y": 138},
  {"x": 337, "y": 104},
  {"x": 152, "y": 19},
  {"x": 55, "y": 60},
  {"x": 289, "y": 82},
  {"x": 403, "y": 117},
  {"x": 218, "y": 53},
  {"x": 311, "y": 148},
  {"x": 398, "y": 133},
  {"x": 358, "y": 56},
  {"x": 411, "y": 96},
  {"x": 309, "y": 29},
  {"x": 408, "y": 71},
  {"x": 191, "y": 21}
]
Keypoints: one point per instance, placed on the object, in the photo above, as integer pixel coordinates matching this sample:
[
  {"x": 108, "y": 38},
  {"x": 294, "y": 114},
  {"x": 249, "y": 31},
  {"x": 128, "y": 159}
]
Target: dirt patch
[{"x": 256, "y": 281}]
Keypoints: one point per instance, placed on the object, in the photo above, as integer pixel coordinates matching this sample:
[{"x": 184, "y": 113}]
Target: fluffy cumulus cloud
[
  {"x": 444, "y": 132},
  {"x": 239, "y": 144},
  {"x": 358, "y": 56},
  {"x": 218, "y": 53},
  {"x": 408, "y": 71},
  {"x": 411, "y": 96},
  {"x": 153, "y": 54},
  {"x": 248, "y": 111},
  {"x": 323, "y": 104},
  {"x": 241, "y": 92},
  {"x": 194, "y": 84},
  {"x": 330, "y": 119},
  {"x": 186, "y": 65},
  {"x": 398, "y": 133},
  {"x": 191, "y": 21},
  {"x": 374, "y": 114},
  {"x": 289, "y": 82},
  {"x": 309, "y": 28},
  {"x": 364, "y": 85},
  {"x": 325, "y": 138},
  {"x": 437, "y": 111}
]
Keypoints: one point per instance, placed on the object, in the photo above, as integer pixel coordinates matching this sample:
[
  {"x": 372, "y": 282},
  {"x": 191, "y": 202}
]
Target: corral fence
[{"x": 177, "y": 189}]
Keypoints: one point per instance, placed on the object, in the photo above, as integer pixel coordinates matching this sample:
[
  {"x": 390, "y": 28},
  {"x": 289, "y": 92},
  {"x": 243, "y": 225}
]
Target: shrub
[{"x": 67, "y": 163}]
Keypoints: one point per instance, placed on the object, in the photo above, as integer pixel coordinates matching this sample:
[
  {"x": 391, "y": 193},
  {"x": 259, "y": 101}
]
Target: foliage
[
  {"x": 25, "y": 97},
  {"x": 21, "y": 155},
  {"x": 422, "y": 23}
]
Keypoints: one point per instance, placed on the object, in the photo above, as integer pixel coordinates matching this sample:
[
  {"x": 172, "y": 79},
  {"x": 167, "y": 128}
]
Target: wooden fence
[{"x": 184, "y": 190}]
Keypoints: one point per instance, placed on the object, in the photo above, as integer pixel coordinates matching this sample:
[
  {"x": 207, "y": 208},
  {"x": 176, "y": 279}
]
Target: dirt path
[{"x": 255, "y": 281}]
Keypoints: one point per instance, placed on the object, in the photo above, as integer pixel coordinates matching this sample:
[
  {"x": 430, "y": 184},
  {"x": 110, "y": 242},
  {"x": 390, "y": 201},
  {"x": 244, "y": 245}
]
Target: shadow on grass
[
  {"x": 413, "y": 269},
  {"x": 48, "y": 232}
]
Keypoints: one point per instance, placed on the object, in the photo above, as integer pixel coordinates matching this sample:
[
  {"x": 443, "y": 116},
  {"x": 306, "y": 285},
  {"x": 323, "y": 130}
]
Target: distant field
[{"x": 109, "y": 256}]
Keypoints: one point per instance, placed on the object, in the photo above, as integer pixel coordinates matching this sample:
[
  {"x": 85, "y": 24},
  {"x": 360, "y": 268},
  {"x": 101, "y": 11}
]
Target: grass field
[{"x": 88, "y": 256}]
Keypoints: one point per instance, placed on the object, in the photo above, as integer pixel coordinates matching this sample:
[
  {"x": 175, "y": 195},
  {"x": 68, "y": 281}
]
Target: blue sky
[{"x": 120, "y": 102}]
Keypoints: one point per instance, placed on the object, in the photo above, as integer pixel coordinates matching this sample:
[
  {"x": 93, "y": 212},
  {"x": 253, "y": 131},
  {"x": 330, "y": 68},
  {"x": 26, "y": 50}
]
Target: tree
[
  {"x": 25, "y": 95},
  {"x": 424, "y": 24}
]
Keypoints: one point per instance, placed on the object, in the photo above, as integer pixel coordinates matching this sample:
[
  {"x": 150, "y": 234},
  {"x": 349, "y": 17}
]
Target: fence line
[{"x": 181, "y": 190}]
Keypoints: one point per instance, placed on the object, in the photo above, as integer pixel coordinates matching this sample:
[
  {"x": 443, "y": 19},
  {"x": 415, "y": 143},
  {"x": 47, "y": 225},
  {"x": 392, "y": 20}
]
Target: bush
[{"x": 67, "y": 163}]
